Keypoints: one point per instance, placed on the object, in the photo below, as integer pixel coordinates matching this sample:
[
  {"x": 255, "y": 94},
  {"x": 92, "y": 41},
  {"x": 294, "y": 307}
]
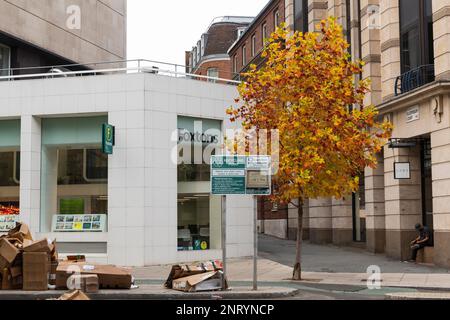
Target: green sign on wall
[{"x": 108, "y": 135}]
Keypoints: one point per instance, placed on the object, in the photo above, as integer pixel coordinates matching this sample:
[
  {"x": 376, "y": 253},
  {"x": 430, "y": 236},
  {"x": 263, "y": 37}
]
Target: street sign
[
  {"x": 108, "y": 138},
  {"x": 241, "y": 175}
]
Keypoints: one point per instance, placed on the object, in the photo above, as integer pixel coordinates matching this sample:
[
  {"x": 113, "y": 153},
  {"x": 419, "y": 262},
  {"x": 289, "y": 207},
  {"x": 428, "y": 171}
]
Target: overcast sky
[{"x": 164, "y": 30}]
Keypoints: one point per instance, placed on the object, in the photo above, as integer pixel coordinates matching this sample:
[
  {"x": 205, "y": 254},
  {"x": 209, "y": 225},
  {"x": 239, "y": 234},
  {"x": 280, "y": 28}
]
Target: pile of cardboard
[
  {"x": 203, "y": 276},
  {"x": 34, "y": 266},
  {"x": 25, "y": 263}
]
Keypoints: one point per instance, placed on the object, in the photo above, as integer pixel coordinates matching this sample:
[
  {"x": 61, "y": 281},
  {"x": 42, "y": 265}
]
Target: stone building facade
[{"x": 406, "y": 50}]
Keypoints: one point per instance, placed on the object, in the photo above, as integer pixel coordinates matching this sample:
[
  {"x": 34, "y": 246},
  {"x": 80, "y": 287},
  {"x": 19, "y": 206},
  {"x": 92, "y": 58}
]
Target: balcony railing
[
  {"x": 109, "y": 67},
  {"x": 414, "y": 78}
]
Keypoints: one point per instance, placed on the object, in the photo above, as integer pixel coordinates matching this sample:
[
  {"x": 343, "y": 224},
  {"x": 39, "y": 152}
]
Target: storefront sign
[
  {"x": 412, "y": 114},
  {"x": 240, "y": 175},
  {"x": 402, "y": 170},
  {"x": 108, "y": 138}
]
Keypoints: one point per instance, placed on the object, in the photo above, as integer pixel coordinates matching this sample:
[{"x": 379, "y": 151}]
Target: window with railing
[{"x": 416, "y": 45}]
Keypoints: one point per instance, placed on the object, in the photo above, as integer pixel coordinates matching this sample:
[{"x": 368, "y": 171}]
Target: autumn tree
[{"x": 327, "y": 136}]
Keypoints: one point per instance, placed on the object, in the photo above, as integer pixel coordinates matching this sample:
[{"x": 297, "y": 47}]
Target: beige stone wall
[
  {"x": 441, "y": 30},
  {"x": 102, "y": 36},
  {"x": 317, "y": 11},
  {"x": 320, "y": 220},
  {"x": 390, "y": 46},
  {"x": 289, "y": 14}
]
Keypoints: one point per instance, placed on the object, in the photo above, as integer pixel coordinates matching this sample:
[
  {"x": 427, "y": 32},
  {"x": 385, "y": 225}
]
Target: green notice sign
[
  {"x": 108, "y": 138},
  {"x": 228, "y": 175},
  {"x": 240, "y": 175}
]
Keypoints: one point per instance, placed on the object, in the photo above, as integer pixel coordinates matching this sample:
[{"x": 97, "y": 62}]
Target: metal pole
[
  {"x": 255, "y": 243},
  {"x": 224, "y": 240}
]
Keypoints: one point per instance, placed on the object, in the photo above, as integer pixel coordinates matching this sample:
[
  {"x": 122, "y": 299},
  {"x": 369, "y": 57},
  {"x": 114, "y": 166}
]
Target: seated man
[{"x": 421, "y": 241}]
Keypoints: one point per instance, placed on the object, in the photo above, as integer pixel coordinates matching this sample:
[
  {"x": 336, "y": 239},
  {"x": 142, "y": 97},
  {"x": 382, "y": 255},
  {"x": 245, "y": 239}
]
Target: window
[
  {"x": 264, "y": 32},
  {"x": 212, "y": 73},
  {"x": 5, "y": 60},
  {"x": 276, "y": 18},
  {"x": 74, "y": 176},
  {"x": 416, "y": 34},
  {"x": 244, "y": 55},
  {"x": 301, "y": 15},
  {"x": 253, "y": 45},
  {"x": 199, "y": 213},
  {"x": 235, "y": 64}
]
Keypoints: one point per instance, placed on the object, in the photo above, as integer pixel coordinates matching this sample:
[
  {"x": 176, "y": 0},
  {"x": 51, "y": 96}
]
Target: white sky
[{"x": 164, "y": 30}]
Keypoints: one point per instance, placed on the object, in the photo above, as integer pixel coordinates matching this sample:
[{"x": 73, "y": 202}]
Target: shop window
[
  {"x": 9, "y": 189},
  {"x": 199, "y": 213},
  {"x": 74, "y": 176}
]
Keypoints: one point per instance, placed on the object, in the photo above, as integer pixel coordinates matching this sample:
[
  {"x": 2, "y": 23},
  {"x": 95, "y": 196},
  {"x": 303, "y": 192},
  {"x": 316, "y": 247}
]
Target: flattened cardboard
[
  {"x": 182, "y": 271},
  {"x": 35, "y": 271},
  {"x": 209, "y": 281},
  {"x": 76, "y": 295},
  {"x": 43, "y": 245},
  {"x": 109, "y": 277},
  {"x": 87, "y": 283},
  {"x": 8, "y": 251}
]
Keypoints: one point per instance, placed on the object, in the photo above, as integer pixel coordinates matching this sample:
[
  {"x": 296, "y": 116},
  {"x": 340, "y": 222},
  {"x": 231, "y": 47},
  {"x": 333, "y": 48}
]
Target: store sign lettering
[{"x": 196, "y": 137}]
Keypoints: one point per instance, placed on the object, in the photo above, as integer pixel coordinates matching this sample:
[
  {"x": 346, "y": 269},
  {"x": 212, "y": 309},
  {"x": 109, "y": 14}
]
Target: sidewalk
[
  {"x": 157, "y": 292},
  {"x": 240, "y": 270}
]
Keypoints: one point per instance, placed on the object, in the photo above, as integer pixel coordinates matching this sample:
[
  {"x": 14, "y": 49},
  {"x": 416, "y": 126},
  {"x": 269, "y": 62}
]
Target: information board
[{"x": 241, "y": 175}]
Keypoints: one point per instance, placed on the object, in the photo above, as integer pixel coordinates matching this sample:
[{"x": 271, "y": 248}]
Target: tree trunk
[{"x": 298, "y": 258}]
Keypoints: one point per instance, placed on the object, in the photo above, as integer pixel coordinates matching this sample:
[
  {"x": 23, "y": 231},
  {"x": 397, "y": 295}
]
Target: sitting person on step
[{"x": 421, "y": 241}]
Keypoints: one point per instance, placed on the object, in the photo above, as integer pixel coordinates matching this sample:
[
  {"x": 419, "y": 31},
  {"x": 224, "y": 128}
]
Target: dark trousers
[{"x": 415, "y": 249}]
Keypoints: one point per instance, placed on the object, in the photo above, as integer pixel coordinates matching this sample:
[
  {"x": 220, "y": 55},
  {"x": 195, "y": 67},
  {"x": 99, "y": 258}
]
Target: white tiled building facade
[{"x": 142, "y": 178}]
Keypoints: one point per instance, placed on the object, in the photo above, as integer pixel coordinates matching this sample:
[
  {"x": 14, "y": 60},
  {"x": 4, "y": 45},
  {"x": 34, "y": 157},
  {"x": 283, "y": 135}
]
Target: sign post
[{"x": 241, "y": 175}]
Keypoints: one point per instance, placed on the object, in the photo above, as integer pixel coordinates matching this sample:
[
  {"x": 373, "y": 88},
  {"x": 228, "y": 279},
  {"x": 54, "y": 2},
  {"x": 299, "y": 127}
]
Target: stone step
[{"x": 426, "y": 255}]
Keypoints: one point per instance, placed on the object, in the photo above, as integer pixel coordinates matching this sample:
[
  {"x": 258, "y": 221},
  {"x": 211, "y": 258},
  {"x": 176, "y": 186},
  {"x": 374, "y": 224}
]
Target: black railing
[{"x": 414, "y": 78}]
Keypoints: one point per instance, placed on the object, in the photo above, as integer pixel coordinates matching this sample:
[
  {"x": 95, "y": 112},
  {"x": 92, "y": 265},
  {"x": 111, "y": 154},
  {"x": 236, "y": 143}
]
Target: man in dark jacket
[{"x": 421, "y": 241}]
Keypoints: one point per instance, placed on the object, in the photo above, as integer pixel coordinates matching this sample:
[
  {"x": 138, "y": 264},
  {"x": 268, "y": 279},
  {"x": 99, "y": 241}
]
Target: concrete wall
[{"x": 102, "y": 36}]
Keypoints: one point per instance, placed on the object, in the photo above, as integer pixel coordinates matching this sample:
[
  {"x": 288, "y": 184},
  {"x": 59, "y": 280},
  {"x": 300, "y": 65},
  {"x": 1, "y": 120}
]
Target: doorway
[{"x": 426, "y": 183}]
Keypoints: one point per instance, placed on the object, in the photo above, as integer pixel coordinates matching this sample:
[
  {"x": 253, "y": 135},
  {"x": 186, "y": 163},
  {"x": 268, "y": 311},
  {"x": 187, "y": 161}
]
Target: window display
[
  {"x": 9, "y": 190},
  {"x": 199, "y": 214}
]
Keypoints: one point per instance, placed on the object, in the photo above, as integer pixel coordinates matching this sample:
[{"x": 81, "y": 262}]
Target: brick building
[{"x": 209, "y": 56}]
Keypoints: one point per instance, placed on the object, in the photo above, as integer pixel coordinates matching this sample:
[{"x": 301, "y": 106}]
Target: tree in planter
[{"x": 327, "y": 136}]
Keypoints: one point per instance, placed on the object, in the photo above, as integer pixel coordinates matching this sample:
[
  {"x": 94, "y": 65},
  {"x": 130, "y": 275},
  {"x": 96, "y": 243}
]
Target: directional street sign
[{"x": 240, "y": 175}]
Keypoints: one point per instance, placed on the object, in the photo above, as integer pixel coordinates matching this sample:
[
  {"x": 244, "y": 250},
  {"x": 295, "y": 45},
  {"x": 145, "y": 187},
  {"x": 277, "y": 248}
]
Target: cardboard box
[
  {"x": 21, "y": 232},
  {"x": 44, "y": 245},
  {"x": 52, "y": 274},
  {"x": 209, "y": 281},
  {"x": 182, "y": 271},
  {"x": 109, "y": 277},
  {"x": 78, "y": 258},
  {"x": 35, "y": 271},
  {"x": 16, "y": 271},
  {"x": 76, "y": 295},
  {"x": 8, "y": 251},
  {"x": 87, "y": 283}
]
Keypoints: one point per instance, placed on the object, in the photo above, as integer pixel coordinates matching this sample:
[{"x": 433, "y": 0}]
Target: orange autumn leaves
[{"x": 307, "y": 92}]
